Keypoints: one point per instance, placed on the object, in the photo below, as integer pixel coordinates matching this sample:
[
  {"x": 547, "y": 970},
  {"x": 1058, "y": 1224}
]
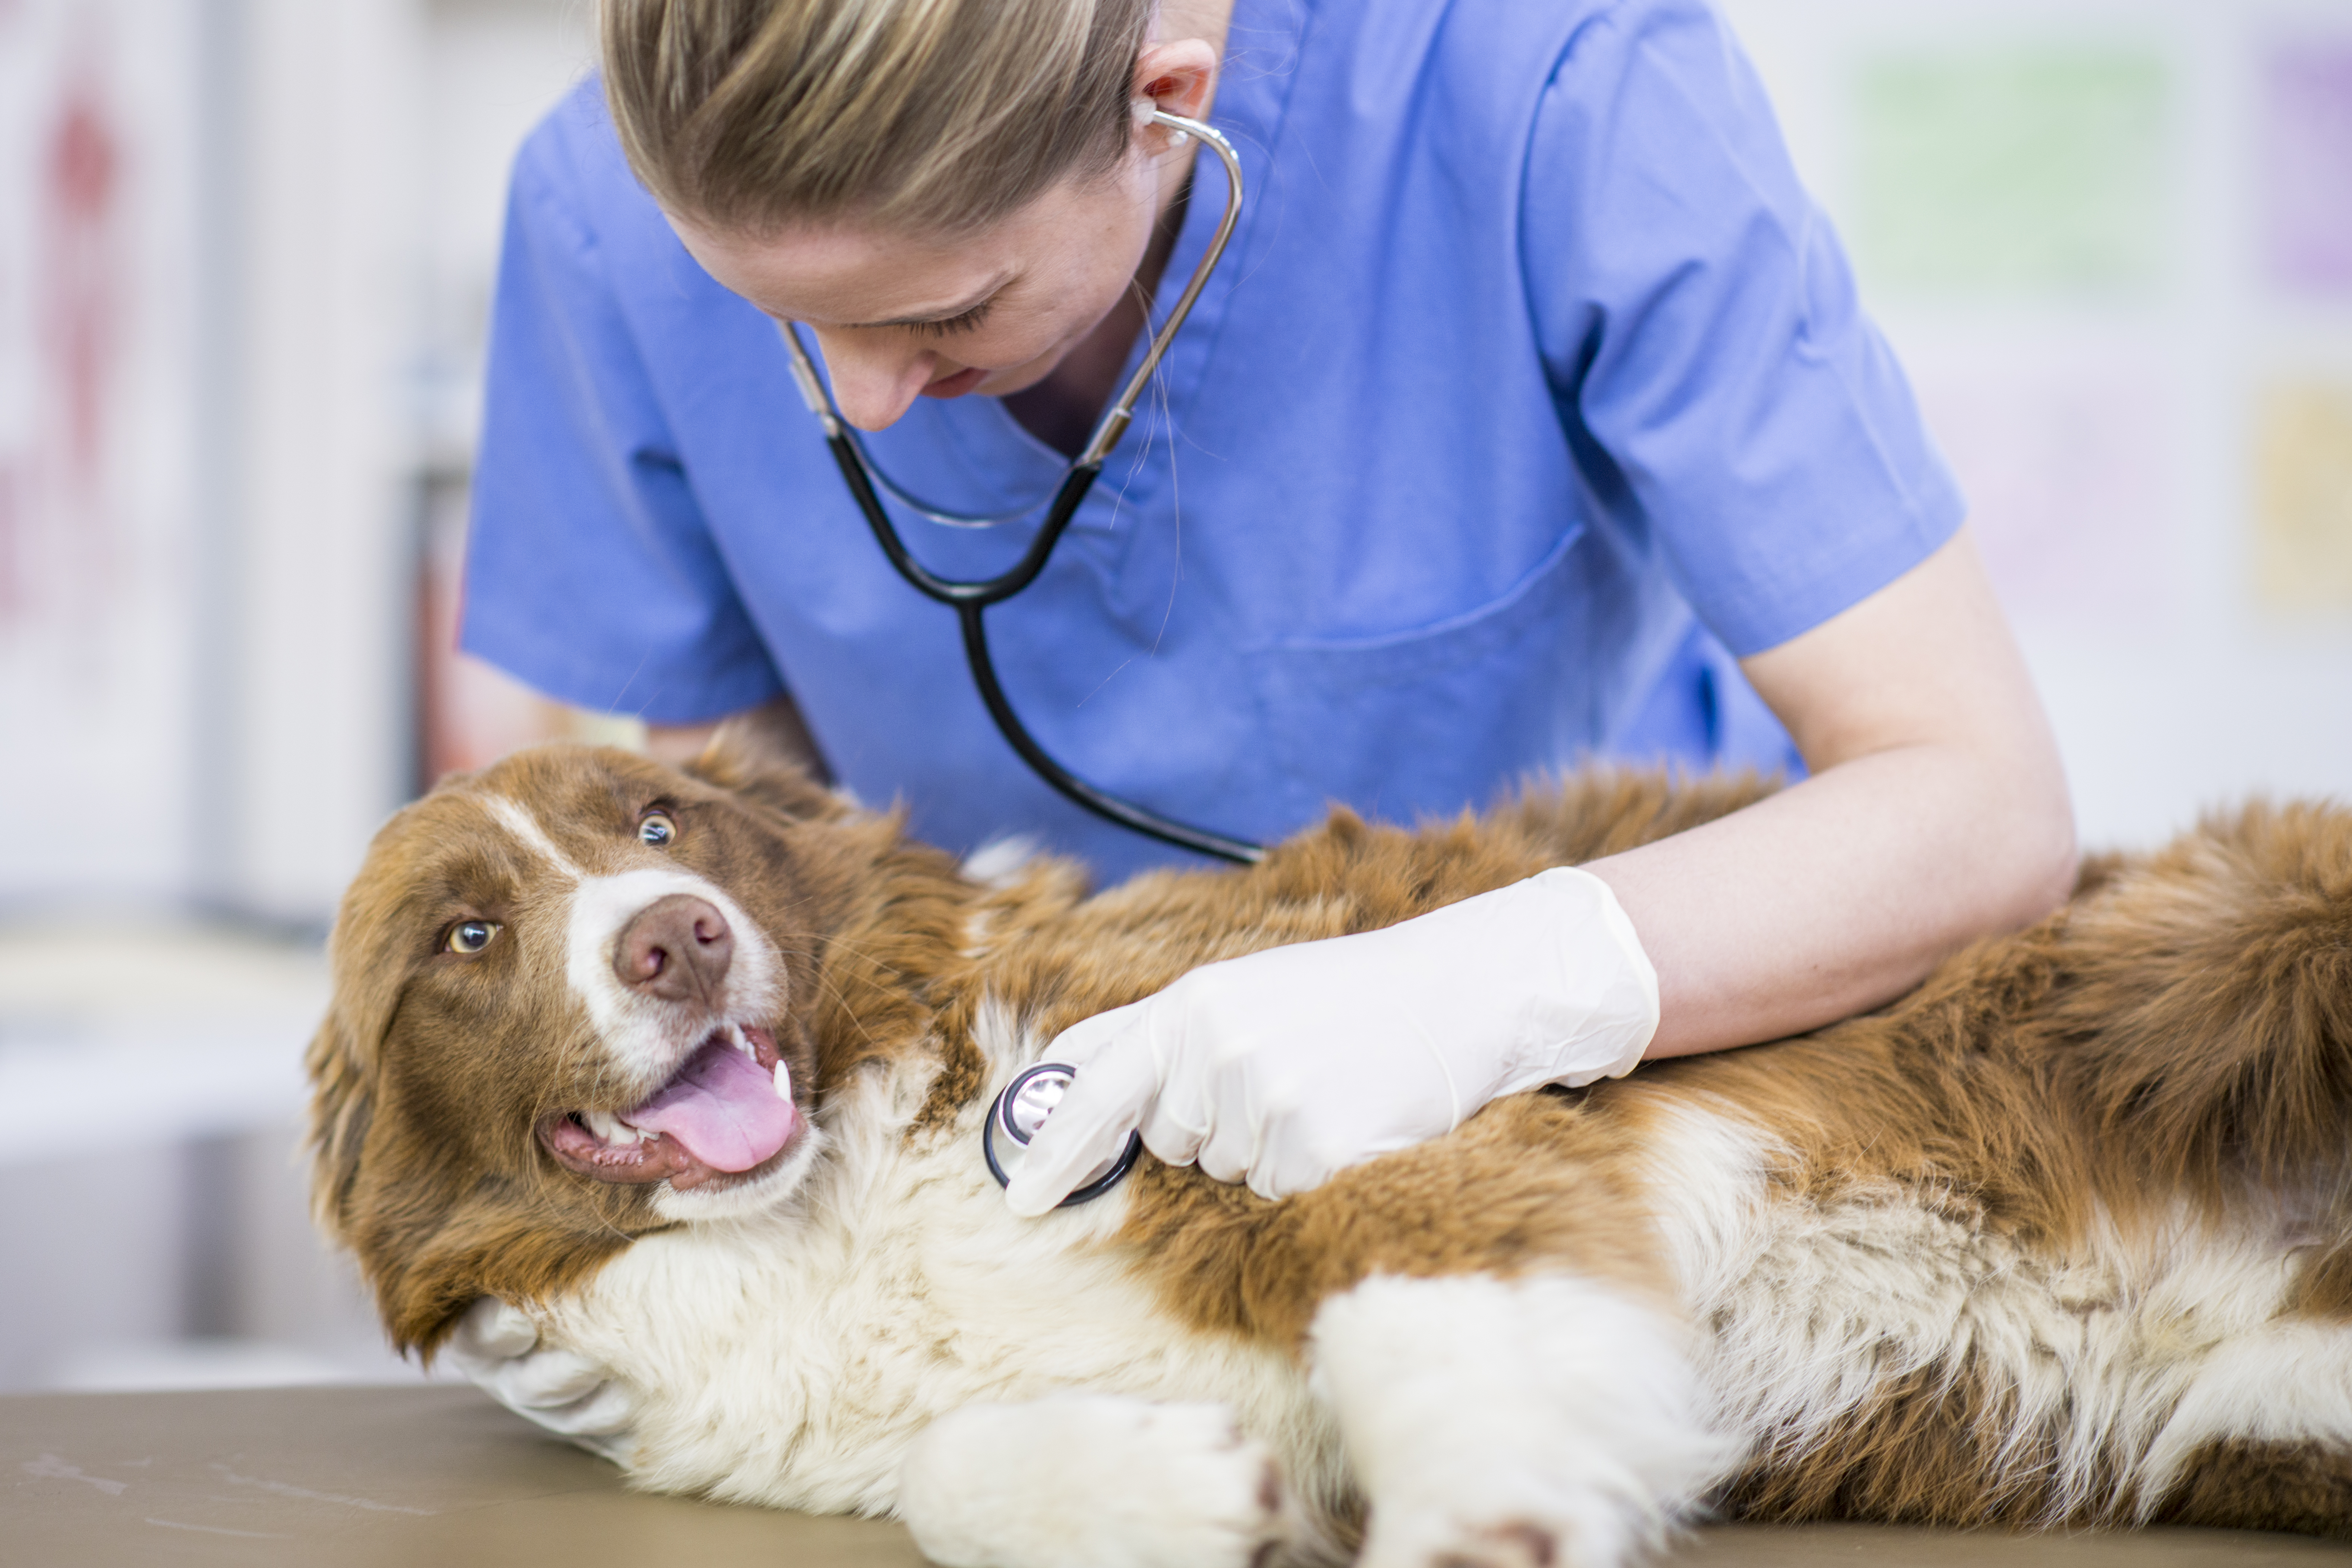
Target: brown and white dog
[{"x": 694, "y": 1065}]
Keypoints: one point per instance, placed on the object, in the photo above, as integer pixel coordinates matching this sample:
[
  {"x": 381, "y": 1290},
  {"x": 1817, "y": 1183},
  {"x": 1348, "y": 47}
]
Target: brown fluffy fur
[{"x": 2180, "y": 1034}]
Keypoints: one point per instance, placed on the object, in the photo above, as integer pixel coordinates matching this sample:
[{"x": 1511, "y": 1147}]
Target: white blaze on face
[
  {"x": 527, "y": 832},
  {"x": 644, "y": 1037}
]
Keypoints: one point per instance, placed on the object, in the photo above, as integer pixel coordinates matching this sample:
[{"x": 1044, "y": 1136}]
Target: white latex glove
[
  {"x": 1287, "y": 1066},
  {"x": 497, "y": 1347}
]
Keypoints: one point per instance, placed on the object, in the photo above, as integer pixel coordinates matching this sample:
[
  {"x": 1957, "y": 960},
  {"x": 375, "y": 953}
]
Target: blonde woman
[{"x": 1531, "y": 419}]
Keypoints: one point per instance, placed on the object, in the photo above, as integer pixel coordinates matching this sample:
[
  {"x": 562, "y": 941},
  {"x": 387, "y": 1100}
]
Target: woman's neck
[{"x": 1061, "y": 410}]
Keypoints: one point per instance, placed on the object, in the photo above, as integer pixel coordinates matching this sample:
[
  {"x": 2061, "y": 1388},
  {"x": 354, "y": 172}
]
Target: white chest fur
[{"x": 790, "y": 1358}]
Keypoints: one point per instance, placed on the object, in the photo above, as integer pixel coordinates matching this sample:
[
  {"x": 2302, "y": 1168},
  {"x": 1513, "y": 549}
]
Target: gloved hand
[
  {"x": 1289, "y": 1065},
  {"x": 497, "y": 1347}
]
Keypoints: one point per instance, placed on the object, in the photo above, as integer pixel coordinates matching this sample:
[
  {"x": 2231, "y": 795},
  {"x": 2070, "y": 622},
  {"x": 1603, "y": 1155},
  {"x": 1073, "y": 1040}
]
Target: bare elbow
[{"x": 2049, "y": 857}]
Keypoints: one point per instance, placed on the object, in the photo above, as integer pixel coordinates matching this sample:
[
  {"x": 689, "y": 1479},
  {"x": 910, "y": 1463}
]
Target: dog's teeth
[
  {"x": 784, "y": 1084},
  {"x": 742, "y": 1043},
  {"x": 611, "y": 1128}
]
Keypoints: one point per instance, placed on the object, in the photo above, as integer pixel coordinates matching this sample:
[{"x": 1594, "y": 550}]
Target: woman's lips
[{"x": 955, "y": 386}]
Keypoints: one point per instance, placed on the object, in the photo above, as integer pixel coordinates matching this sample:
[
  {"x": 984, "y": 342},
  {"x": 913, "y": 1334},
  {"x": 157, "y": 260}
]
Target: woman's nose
[{"x": 873, "y": 381}]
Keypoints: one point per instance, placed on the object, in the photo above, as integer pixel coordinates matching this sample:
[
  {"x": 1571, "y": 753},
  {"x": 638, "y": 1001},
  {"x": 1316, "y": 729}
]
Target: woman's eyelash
[{"x": 958, "y": 323}]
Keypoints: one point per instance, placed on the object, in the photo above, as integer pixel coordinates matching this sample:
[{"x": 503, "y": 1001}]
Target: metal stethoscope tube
[{"x": 971, "y": 598}]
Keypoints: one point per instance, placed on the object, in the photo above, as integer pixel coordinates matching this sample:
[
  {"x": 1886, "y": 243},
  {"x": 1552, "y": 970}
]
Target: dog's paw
[
  {"x": 499, "y": 1346},
  {"x": 1561, "y": 1531},
  {"x": 1091, "y": 1482},
  {"x": 1548, "y": 1422}
]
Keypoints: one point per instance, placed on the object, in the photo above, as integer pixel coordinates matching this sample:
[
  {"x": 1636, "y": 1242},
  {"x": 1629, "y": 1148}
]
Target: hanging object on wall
[
  {"x": 2306, "y": 164},
  {"x": 79, "y": 307},
  {"x": 62, "y": 279},
  {"x": 99, "y": 115},
  {"x": 2013, "y": 170},
  {"x": 2303, "y": 507},
  {"x": 2073, "y": 487}
]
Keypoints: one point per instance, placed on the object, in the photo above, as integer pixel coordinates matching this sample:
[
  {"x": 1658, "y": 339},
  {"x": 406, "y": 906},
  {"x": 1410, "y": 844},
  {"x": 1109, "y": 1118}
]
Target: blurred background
[{"x": 246, "y": 252}]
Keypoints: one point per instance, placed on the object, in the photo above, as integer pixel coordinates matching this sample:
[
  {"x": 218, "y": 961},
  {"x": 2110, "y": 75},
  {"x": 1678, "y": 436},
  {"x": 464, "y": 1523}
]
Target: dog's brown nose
[{"x": 676, "y": 948}]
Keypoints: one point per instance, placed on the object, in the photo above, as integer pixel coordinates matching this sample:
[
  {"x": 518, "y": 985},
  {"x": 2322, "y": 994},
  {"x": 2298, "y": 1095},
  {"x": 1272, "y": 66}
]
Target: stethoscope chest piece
[{"x": 1022, "y": 1108}]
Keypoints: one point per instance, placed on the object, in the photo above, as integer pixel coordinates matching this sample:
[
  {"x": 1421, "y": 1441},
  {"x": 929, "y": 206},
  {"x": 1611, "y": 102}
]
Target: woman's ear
[{"x": 1179, "y": 76}]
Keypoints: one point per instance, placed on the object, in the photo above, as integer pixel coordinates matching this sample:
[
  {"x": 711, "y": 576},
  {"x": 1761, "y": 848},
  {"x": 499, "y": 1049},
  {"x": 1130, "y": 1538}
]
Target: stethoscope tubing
[
  {"x": 970, "y": 598},
  {"x": 978, "y": 593}
]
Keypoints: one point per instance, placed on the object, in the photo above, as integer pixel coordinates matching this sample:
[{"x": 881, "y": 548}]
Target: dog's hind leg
[
  {"x": 2263, "y": 1438},
  {"x": 2304, "y": 1488},
  {"x": 1513, "y": 1422},
  {"x": 1092, "y": 1481}
]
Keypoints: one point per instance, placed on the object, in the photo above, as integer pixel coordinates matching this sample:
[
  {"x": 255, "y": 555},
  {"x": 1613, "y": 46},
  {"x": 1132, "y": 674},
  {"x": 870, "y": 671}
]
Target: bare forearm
[
  {"x": 1837, "y": 894},
  {"x": 777, "y": 729},
  {"x": 1937, "y": 814},
  {"x": 679, "y": 744}
]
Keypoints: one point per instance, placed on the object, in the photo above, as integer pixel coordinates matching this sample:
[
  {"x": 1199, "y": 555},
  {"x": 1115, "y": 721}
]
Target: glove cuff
[{"x": 1598, "y": 1006}]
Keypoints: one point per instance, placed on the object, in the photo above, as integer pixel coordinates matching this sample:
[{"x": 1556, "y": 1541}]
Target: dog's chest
[{"x": 789, "y": 1359}]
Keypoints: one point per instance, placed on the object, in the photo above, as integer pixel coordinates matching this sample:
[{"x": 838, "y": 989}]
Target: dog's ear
[
  {"x": 431, "y": 1236},
  {"x": 344, "y": 1064},
  {"x": 342, "y": 1103},
  {"x": 768, "y": 757},
  {"x": 433, "y": 1242}
]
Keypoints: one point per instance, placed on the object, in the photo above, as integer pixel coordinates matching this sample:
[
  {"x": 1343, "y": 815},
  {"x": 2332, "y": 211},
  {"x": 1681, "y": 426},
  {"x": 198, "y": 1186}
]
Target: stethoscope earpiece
[{"x": 1022, "y": 1109}]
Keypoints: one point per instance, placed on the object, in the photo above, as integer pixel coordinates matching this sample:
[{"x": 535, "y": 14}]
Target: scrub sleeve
[
  {"x": 590, "y": 572},
  {"x": 1702, "y": 330}
]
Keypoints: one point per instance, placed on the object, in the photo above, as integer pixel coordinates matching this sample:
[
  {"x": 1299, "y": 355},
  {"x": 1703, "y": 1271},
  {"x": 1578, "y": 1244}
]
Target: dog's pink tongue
[{"x": 722, "y": 1107}]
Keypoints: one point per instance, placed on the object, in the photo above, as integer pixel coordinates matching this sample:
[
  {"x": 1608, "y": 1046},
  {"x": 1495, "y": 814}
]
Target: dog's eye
[
  {"x": 471, "y": 936},
  {"x": 657, "y": 829}
]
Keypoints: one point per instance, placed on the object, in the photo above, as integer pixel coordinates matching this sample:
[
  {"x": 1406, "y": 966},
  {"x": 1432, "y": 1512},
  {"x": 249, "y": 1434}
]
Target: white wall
[
  {"x": 305, "y": 216},
  {"x": 209, "y": 646},
  {"x": 100, "y": 109},
  {"x": 493, "y": 67},
  {"x": 328, "y": 299},
  {"x": 2113, "y": 413}
]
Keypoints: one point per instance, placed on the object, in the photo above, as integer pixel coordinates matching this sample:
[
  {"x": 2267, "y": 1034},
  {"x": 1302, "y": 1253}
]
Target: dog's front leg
[
  {"x": 1512, "y": 1423},
  {"x": 500, "y": 1347},
  {"x": 1091, "y": 1482}
]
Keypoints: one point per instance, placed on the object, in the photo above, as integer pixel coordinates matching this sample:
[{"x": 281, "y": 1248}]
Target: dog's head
[{"x": 575, "y": 1000}]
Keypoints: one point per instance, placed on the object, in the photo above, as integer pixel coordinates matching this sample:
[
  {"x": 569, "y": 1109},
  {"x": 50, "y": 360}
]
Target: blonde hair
[{"x": 938, "y": 115}]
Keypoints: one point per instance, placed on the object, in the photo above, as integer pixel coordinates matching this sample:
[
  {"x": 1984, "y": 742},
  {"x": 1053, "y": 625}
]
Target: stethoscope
[
  {"x": 969, "y": 599},
  {"x": 1017, "y": 1114}
]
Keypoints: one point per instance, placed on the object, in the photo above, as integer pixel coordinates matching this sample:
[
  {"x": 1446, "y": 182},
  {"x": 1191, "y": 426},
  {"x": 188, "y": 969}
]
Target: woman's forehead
[{"x": 851, "y": 274}]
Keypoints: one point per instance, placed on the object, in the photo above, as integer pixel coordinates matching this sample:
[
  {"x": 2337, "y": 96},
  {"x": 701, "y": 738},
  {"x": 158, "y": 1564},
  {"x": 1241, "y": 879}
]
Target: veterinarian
[{"x": 1531, "y": 419}]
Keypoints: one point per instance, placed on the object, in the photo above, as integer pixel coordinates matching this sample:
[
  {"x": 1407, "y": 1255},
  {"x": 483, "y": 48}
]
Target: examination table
[{"x": 438, "y": 1476}]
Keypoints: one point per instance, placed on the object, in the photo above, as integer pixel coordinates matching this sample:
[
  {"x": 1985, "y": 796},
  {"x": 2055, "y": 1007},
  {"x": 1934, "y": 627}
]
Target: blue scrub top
[{"x": 1532, "y": 389}]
